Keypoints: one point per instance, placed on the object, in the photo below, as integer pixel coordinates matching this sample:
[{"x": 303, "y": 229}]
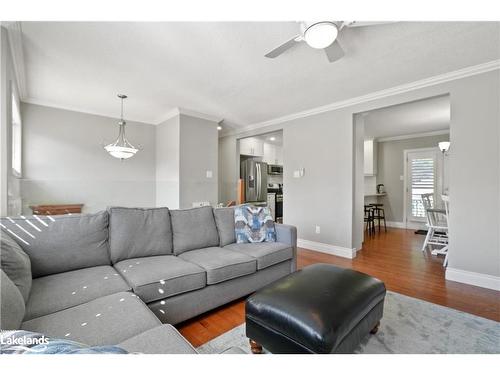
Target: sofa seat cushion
[
  {"x": 221, "y": 264},
  {"x": 163, "y": 339},
  {"x": 157, "y": 277},
  {"x": 266, "y": 253},
  {"x": 106, "y": 320},
  {"x": 139, "y": 232},
  {"x": 54, "y": 293}
]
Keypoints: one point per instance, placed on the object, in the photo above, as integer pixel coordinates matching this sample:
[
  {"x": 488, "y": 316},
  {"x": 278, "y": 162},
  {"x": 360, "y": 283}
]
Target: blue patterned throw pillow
[
  {"x": 25, "y": 342},
  {"x": 253, "y": 224}
]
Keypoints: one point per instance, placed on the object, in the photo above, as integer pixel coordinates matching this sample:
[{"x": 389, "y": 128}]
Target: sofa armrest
[{"x": 288, "y": 234}]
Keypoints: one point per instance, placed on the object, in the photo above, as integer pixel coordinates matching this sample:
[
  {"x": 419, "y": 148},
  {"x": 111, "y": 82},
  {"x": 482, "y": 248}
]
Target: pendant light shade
[
  {"x": 444, "y": 146},
  {"x": 121, "y": 148}
]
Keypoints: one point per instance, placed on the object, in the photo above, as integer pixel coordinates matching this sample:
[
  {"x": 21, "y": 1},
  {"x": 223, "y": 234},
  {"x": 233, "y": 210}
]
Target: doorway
[{"x": 398, "y": 160}]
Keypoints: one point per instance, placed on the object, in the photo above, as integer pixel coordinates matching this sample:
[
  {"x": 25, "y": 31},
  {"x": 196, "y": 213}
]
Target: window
[
  {"x": 421, "y": 167},
  {"x": 16, "y": 138}
]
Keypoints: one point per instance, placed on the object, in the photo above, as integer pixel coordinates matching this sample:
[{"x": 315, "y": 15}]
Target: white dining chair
[{"x": 437, "y": 228}]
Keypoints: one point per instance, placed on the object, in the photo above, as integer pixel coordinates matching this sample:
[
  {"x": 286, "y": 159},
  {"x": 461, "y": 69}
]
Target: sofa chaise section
[
  {"x": 57, "y": 292},
  {"x": 106, "y": 320}
]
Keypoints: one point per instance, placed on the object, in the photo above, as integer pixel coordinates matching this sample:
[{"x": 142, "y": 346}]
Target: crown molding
[
  {"x": 414, "y": 135},
  {"x": 46, "y": 103},
  {"x": 177, "y": 111},
  {"x": 427, "y": 82},
  {"x": 15, "y": 36}
]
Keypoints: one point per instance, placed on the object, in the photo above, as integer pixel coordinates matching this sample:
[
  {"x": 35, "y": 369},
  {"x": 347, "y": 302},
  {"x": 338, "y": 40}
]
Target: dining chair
[{"x": 437, "y": 227}]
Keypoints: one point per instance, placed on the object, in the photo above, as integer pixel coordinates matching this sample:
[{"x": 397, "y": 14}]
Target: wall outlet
[
  {"x": 296, "y": 174},
  {"x": 318, "y": 229},
  {"x": 201, "y": 204},
  {"x": 210, "y": 174}
]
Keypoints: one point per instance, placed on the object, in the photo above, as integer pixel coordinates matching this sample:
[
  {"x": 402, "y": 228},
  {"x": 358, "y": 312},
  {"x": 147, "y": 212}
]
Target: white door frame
[{"x": 405, "y": 184}]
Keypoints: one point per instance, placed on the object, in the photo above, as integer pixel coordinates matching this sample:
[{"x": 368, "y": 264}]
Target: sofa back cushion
[
  {"x": 224, "y": 218},
  {"x": 193, "y": 229},
  {"x": 61, "y": 243},
  {"x": 12, "y": 305},
  {"x": 139, "y": 232},
  {"x": 16, "y": 264}
]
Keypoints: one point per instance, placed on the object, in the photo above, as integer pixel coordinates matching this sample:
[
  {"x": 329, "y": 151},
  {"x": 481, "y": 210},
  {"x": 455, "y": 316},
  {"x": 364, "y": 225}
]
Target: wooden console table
[{"x": 57, "y": 209}]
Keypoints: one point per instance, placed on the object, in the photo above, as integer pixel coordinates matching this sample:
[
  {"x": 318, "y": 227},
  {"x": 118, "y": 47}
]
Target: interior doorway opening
[{"x": 399, "y": 161}]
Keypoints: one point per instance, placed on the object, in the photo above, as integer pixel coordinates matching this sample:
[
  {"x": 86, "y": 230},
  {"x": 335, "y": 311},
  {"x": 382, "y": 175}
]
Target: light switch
[
  {"x": 296, "y": 174},
  {"x": 209, "y": 174},
  {"x": 401, "y": 178}
]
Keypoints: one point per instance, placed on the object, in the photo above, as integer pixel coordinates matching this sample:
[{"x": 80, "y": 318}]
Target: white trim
[
  {"x": 187, "y": 112},
  {"x": 415, "y": 135},
  {"x": 473, "y": 278},
  {"x": 170, "y": 114},
  {"x": 431, "y": 81},
  {"x": 46, "y": 103},
  {"x": 344, "y": 252},
  {"x": 204, "y": 116},
  {"x": 15, "y": 36},
  {"x": 410, "y": 225}
]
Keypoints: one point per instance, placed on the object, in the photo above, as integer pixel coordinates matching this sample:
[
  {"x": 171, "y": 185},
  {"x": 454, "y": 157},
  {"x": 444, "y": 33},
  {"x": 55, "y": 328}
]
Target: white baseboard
[
  {"x": 344, "y": 252},
  {"x": 403, "y": 225},
  {"x": 473, "y": 278}
]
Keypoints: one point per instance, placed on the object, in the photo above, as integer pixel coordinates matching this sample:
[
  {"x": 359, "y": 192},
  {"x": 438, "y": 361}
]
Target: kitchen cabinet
[
  {"x": 273, "y": 154},
  {"x": 370, "y": 161},
  {"x": 252, "y": 147}
]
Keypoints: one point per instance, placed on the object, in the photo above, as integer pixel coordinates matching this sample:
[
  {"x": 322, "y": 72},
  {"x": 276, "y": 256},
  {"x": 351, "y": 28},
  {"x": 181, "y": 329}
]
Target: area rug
[{"x": 409, "y": 326}]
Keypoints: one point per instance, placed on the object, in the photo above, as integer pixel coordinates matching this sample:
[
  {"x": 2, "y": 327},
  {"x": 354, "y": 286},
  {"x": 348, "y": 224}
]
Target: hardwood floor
[{"x": 393, "y": 257}]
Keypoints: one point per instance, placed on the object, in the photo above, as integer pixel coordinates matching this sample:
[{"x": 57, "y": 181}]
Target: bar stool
[
  {"x": 368, "y": 219},
  {"x": 378, "y": 214}
]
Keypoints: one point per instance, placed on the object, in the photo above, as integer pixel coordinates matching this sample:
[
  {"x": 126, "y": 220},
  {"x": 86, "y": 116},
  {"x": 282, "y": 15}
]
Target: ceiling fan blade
[
  {"x": 334, "y": 51},
  {"x": 285, "y": 46},
  {"x": 365, "y": 24}
]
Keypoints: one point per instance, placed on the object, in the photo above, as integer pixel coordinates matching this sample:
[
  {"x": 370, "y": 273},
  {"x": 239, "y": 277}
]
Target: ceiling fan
[{"x": 321, "y": 35}]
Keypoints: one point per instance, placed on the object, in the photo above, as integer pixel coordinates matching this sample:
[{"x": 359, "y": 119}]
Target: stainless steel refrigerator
[{"x": 254, "y": 173}]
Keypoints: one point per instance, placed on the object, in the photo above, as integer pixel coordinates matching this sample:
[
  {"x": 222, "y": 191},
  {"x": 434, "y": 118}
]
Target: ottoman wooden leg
[
  {"x": 255, "y": 347},
  {"x": 375, "y": 329}
]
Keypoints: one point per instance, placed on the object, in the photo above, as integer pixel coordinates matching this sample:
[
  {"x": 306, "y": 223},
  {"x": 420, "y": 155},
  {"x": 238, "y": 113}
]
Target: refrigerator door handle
[{"x": 259, "y": 181}]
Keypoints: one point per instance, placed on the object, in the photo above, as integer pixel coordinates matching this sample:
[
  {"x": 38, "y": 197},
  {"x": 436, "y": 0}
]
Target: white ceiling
[
  {"x": 277, "y": 137},
  {"x": 219, "y": 68},
  {"x": 422, "y": 116}
]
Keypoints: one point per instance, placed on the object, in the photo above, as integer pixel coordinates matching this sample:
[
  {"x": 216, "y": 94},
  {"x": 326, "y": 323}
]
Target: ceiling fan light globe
[{"x": 321, "y": 34}]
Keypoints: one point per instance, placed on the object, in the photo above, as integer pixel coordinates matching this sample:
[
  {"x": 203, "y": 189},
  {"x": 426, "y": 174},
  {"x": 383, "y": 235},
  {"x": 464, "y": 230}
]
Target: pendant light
[{"x": 121, "y": 148}]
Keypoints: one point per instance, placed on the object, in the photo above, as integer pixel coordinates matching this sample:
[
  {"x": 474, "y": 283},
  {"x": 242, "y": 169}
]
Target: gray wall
[
  {"x": 390, "y": 161},
  {"x": 198, "y": 154},
  {"x": 167, "y": 163},
  {"x": 229, "y": 169},
  {"x": 323, "y": 144},
  {"x": 64, "y": 160}
]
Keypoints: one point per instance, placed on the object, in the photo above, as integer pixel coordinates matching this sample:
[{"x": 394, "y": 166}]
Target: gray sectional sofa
[{"x": 124, "y": 276}]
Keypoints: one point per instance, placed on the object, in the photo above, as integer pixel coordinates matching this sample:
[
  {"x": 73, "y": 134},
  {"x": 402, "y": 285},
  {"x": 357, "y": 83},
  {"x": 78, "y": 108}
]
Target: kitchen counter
[{"x": 376, "y": 195}]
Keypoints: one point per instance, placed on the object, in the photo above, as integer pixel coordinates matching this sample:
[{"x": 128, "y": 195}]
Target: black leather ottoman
[{"x": 319, "y": 309}]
